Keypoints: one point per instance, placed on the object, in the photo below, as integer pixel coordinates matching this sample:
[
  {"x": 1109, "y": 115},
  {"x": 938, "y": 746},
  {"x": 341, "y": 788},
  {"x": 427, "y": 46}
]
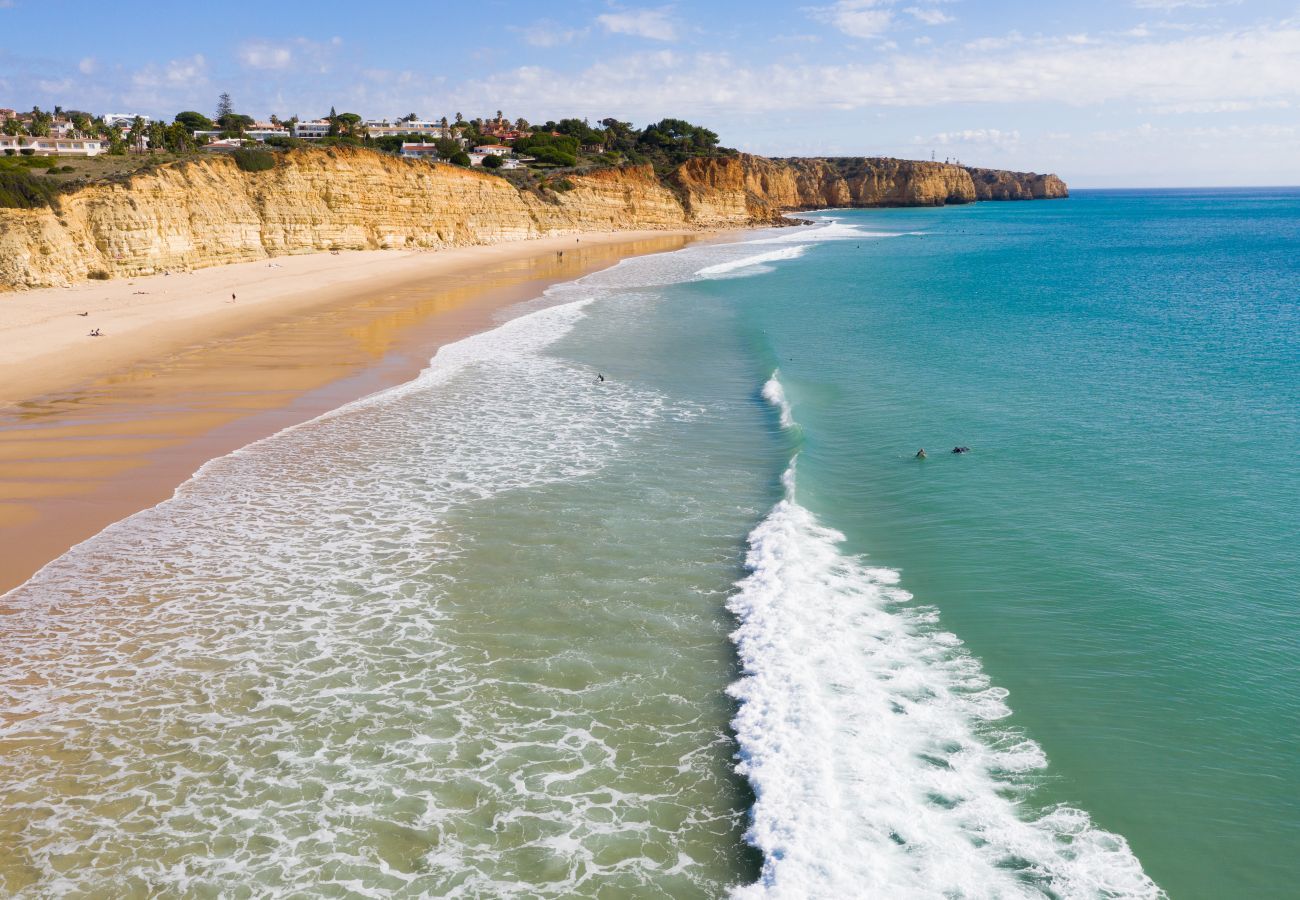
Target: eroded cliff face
[
  {"x": 209, "y": 212},
  {"x": 995, "y": 184},
  {"x": 718, "y": 188}
]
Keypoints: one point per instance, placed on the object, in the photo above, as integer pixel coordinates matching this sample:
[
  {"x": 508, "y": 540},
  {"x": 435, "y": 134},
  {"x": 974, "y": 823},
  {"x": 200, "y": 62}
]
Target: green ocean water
[
  {"x": 1119, "y": 548},
  {"x": 707, "y": 626}
]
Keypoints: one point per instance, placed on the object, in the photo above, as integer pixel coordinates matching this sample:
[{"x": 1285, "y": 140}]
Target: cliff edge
[{"x": 210, "y": 212}]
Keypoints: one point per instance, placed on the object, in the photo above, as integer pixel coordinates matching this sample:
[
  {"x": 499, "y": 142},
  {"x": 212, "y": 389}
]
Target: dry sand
[{"x": 94, "y": 429}]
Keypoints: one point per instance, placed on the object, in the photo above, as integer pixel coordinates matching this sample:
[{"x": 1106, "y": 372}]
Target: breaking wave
[{"x": 871, "y": 739}]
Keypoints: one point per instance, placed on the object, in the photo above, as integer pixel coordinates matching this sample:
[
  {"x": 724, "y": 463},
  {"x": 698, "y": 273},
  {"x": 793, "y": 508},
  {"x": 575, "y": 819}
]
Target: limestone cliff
[
  {"x": 763, "y": 187},
  {"x": 995, "y": 184},
  {"x": 210, "y": 212}
]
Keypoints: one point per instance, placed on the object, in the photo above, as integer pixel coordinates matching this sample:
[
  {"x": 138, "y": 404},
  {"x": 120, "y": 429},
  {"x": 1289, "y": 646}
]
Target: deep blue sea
[{"x": 709, "y": 626}]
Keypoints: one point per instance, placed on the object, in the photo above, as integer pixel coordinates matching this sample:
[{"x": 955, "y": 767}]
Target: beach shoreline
[{"x": 93, "y": 430}]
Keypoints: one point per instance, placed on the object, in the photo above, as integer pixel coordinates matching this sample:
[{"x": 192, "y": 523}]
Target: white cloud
[
  {"x": 1168, "y": 5},
  {"x": 929, "y": 15},
  {"x": 265, "y": 55},
  {"x": 177, "y": 73},
  {"x": 986, "y": 136},
  {"x": 87, "y": 66},
  {"x": 1216, "y": 107},
  {"x": 656, "y": 24},
  {"x": 549, "y": 34},
  {"x": 857, "y": 18},
  {"x": 1186, "y": 69},
  {"x": 301, "y": 53}
]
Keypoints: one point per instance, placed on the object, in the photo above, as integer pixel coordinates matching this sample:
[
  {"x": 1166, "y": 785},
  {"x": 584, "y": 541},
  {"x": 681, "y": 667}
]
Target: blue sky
[{"x": 1105, "y": 93}]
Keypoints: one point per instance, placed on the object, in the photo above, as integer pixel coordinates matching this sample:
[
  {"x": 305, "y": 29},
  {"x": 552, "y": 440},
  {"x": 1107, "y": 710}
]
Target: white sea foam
[
  {"x": 774, "y": 393},
  {"x": 830, "y": 229},
  {"x": 870, "y": 739},
  {"x": 755, "y": 262},
  {"x": 252, "y": 683}
]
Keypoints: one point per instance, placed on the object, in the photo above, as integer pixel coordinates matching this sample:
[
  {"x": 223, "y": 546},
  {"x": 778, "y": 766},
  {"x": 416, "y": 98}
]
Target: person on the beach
[{"x": 920, "y": 454}]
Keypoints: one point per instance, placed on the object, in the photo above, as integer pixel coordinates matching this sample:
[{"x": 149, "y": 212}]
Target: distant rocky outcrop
[
  {"x": 995, "y": 184},
  {"x": 210, "y": 212}
]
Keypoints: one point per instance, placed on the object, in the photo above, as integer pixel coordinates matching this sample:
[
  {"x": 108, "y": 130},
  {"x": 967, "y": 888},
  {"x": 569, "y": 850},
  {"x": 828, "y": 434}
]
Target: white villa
[
  {"x": 12, "y": 146},
  {"x": 123, "y": 120},
  {"x": 312, "y": 131},
  {"x": 253, "y": 134},
  {"x": 383, "y": 128},
  {"x": 419, "y": 150}
]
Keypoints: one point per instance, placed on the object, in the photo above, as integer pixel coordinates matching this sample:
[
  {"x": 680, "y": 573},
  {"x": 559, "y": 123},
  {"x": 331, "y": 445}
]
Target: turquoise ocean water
[{"x": 708, "y": 626}]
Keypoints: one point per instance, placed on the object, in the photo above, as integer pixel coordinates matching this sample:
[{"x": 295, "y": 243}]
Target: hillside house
[
  {"x": 50, "y": 146},
  {"x": 414, "y": 150}
]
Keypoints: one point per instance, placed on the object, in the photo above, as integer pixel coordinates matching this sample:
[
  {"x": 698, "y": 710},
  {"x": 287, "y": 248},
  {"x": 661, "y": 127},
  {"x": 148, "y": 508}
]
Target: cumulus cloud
[
  {"x": 929, "y": 15},
  {"x": 549, "y": 34},
  {"x": 87, "y": 66},
  {"x": 1201, "y": 68},
  {"x": 979, "y": 136},
  {"x": 299, "y": 52},
  {"x": 656, "y": 24},
  {"x": 857, "y": 18},
  {"x": 872, "y": 18},
  {"x": 1168, "y": 5},
  {"x": 265, "y": 55},
  {"x": 177, "y": 73}
]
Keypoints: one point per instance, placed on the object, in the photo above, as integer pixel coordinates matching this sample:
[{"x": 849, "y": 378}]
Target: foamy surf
[
  {"x": 751, "y": 265},
  {"x": 831, "y": 229},
  {"x": 871, "y": 740}
]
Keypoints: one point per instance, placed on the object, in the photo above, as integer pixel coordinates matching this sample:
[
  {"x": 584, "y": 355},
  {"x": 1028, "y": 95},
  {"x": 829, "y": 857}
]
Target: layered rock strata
[{"x": 210, "y": 212}]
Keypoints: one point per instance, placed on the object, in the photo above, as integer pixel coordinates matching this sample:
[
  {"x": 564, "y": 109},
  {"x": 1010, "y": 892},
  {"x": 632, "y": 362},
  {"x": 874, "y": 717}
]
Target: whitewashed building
[
  {"x": 123, "y": 120},
  {"x": 311, "y": 131},
  {"x": 50, "y": 146},
  {"x": 385, "y": 128},
  {"x": 253, "y": 134},
  {"x": 412, "y": 150}
]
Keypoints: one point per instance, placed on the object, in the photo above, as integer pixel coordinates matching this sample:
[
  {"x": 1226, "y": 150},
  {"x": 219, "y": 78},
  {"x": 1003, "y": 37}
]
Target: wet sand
[{"x": 88, "y": 451}]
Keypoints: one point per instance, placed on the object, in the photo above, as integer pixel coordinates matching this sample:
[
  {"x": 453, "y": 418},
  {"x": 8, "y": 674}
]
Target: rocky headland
[{"x": 210, "y": 212}]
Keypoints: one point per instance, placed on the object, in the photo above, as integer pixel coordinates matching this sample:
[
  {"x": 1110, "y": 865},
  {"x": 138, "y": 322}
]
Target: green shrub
[
  {"x": 27, "y": 151},
  {"x": 68, "y": 169},
  {"x": 492, "y": 161},
  {"x": 22, "y": 190},
  {"x": 563, "y": 184},
  {"x": 252, "y": 159},
  {"x": 10, "y": 151},
  {"x": 459, "y": 158}
]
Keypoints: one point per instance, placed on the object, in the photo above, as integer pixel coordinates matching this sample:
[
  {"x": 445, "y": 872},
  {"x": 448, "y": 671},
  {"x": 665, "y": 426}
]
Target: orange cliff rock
[{"x": 209, "y": 212}]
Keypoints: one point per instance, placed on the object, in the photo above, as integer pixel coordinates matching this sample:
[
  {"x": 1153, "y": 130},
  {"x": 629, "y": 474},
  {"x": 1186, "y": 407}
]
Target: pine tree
[{"x": 225, "y": 107}]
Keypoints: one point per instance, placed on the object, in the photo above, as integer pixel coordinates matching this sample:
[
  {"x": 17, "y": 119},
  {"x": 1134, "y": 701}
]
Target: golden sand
[{"x": 99, "y": 428}]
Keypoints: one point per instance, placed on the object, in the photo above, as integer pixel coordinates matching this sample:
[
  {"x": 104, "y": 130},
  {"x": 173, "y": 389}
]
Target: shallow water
[{"x": 511, "y": 630}]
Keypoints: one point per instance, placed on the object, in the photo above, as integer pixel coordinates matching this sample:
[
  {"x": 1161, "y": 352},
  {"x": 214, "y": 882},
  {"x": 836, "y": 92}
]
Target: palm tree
[{"x": 138, "y": 135}]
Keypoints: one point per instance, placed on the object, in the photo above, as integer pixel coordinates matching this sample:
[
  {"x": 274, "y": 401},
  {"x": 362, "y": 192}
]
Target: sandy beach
[{"x": 190, "y": 366}]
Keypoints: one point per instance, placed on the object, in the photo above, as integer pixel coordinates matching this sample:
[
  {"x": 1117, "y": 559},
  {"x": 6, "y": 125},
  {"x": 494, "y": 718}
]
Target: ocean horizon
[{"x": 646, "y": 592}]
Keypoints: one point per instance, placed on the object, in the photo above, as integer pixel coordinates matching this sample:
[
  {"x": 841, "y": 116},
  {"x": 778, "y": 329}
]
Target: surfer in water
[
  {"x": 920, "y": 454},
  {"x": 599, "y": 377}
]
